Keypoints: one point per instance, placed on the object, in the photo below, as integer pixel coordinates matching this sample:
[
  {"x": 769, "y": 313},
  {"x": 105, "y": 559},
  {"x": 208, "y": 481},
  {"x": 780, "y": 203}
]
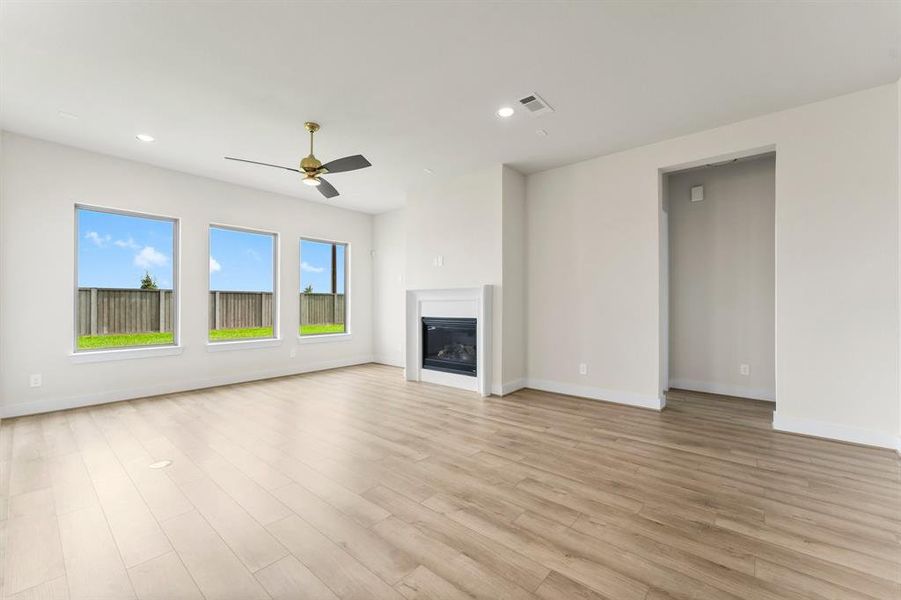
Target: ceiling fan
[{"x": 312, "y": 169}]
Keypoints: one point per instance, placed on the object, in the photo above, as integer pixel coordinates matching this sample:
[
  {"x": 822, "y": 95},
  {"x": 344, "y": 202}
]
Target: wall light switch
[
  {"x": 583, "y": 369},
  {"x": 293, "y": 353},
  {"x": 440, "y": 260},
  {"x": 744, "y": 369},
  {"x": 697, "y": 193},
  {"x": 34, "y": 380}
]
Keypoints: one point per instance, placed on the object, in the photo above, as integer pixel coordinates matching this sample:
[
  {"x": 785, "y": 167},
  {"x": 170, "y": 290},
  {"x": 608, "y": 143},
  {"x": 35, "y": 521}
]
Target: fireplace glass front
[{"x": 449, "y": 344}]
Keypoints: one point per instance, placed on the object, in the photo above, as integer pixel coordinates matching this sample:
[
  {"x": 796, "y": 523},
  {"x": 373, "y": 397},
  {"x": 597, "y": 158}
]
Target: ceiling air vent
[{"x": 535, "y": 104}]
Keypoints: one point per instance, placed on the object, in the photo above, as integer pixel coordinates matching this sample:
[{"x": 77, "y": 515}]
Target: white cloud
[
  {"x": 149, "y": 257},
  {"x": 305, "y": 266},
  {"x": 129, "y": 243},
  {"x": 214, "y": 265},
  {"x": 254, "y": 254},
  {"x": 99, "y": 240}
]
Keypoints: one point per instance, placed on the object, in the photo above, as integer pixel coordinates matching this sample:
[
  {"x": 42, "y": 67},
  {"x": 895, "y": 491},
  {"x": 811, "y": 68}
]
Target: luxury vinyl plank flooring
[{"x": 354, "y": 484}]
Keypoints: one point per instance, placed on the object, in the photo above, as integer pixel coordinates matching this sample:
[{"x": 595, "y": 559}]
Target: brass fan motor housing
[{"x": 310, "y": 164}]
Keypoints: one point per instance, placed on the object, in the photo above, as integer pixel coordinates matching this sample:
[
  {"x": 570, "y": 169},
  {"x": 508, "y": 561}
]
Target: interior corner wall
[
  {"x": 37, "y": 258},
  {"x": 722, "y": 297},
  {"x": 389, "y": 287},
  {"x": 593, "y": 266},
  {"x": 513, "y": 232}
]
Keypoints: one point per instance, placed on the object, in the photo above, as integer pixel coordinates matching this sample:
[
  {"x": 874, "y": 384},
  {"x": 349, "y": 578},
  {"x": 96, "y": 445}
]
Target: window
[
  {"x": 125, "y": 279},
  {"x": 323, "y": 274},
  {"x": 242, "y": 284}
]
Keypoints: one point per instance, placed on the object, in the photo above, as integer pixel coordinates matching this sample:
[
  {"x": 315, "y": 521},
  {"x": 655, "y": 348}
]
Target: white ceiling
[{"x": 414, "y": 85}]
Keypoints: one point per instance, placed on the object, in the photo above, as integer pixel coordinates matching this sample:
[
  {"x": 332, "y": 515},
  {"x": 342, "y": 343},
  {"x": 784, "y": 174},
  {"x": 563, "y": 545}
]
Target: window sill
[
  {"x": 321, "y": 338},
  {"x": 92, "y": 356},
  {"x": 242, "y": 345}
]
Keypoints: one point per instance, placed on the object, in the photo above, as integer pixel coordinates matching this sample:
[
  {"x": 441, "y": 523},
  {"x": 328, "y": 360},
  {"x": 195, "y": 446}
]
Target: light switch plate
[{"x": 697, "y": 193}]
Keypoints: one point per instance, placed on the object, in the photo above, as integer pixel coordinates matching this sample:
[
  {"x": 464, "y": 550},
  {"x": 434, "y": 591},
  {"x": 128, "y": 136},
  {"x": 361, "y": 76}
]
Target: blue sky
[
  {"x": 240, "y": 260},
  {"x": 115, "y": 250},
  {"x": 316, "y": 264}
]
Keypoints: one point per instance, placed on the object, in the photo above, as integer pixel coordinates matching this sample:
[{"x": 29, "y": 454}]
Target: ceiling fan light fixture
[{"x": 311, "y": 168}]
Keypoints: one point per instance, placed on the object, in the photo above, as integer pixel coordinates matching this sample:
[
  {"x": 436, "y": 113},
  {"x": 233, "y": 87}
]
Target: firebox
[{"x": 449, "y": 344}]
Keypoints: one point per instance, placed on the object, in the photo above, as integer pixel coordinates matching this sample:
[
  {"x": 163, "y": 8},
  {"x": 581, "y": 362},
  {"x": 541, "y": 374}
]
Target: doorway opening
[{"x": 718, "y": 236}]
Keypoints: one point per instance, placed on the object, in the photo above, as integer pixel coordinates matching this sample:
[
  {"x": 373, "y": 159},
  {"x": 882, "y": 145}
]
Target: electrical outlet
[
  {"x": 744, "y": 369},
  {"x": 34, "y": 380},
  {"x": 293, "y": 353},
  {"x": 583, "y": 369}
]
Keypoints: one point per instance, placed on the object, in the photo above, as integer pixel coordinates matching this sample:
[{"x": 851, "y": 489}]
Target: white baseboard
[
  {"x": 594, "y": 393},
  {"x": 508, "y": 387},
  {"x": 834, "y": 431},
  {"x": 81, "y": 400},
  {"x": 390, "y": 360},
  {"x": 724, "y": 389}
]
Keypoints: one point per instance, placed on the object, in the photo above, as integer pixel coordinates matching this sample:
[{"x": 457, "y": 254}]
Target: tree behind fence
[{"x": 108, "y": 310}]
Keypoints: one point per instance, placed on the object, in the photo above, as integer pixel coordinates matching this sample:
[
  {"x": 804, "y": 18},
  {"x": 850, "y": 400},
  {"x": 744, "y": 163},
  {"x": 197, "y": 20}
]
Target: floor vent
[{"x": 535, "y": 104}]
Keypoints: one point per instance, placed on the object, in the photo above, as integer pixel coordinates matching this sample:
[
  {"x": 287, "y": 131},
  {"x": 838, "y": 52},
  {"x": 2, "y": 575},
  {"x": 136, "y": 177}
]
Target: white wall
[
  {"x": 513, "y": 240},
  {"x": 594, "y": 235},
  {"x": 722, "y": 297},
  {"x": 43, "y": 181},
  {"x": 388, "y": 276}
]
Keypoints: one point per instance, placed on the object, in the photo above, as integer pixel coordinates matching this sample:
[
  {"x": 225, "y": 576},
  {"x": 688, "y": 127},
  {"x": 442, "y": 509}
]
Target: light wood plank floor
[{"x": 354, "y": 484}]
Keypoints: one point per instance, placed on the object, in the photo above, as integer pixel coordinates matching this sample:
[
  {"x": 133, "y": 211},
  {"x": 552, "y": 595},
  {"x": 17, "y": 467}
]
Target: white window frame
[
  {"x": 128, "y": 352},
  {"x": 314, "y": 338},
  {"x": 248, "y": 343}
]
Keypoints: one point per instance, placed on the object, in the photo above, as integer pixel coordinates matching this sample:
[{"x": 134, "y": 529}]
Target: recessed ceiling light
[
  {"x": 541, "y": 132},
  {"x": 505, "y": 111},
  {"x": 145, "y": 138},
  {"x": 428, "y": 171},
  {"x": 67, "y": 115}
]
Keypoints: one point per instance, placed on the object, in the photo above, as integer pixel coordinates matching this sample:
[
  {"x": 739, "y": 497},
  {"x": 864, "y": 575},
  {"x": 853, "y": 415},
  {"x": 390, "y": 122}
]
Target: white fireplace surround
[{"x": 450, "y": 303}]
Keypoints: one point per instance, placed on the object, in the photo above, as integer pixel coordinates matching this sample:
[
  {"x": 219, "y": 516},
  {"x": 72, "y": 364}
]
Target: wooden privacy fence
[
  {"x": 235, "y": 310},
  {"x": 112, "y": 310},
  {"x": 321, "y": 308}
]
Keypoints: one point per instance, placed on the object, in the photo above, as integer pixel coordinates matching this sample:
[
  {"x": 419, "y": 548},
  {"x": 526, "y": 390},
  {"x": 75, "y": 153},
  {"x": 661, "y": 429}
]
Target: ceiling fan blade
[
  {"x": 348, "y": 163},
  {"x": 262, "y": 163},
  {"x": 326, "y": 189}
]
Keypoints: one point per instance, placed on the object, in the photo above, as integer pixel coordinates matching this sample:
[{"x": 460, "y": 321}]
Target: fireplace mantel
[{"x": 455, "y": 302}]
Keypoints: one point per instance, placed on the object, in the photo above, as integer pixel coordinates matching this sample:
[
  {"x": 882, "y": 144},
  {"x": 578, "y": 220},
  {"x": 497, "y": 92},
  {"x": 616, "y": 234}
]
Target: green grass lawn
[
  {"x": 218, "y": 335},
  {"x": 118, "y": 340},
  {"x": 323, "y": 328},
  {"x": 121, "y": 340}
]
